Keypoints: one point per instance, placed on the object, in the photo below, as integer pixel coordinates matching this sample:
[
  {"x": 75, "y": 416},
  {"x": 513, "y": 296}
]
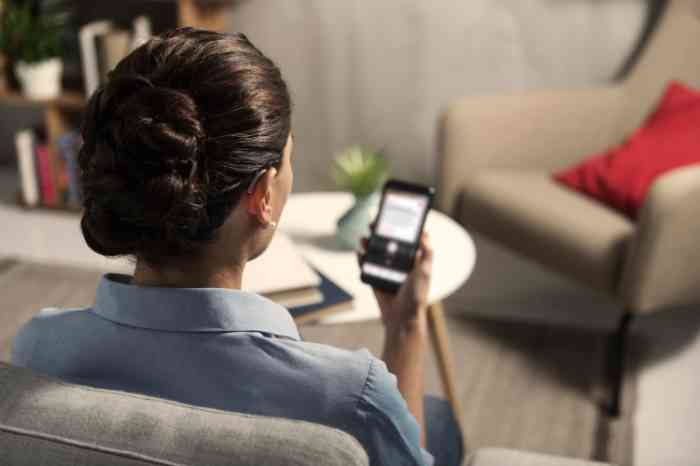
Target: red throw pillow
[{"x": 622, "y": 176}]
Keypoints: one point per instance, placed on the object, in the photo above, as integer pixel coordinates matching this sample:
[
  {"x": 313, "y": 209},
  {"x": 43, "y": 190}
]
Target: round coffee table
[{"x": 310, "y": 220}]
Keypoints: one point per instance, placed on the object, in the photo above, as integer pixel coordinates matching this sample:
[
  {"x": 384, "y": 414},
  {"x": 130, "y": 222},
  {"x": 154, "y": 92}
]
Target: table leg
[{"x": 441, "y": 346}]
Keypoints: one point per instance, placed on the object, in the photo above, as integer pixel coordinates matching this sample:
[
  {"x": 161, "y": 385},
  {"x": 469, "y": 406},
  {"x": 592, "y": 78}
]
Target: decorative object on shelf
[
  {"x": 362, "y": 171},
  {"x": 32, "y": 39},
  {"x": 40, "y": 80},
  {"x": 103, "y": 45}
]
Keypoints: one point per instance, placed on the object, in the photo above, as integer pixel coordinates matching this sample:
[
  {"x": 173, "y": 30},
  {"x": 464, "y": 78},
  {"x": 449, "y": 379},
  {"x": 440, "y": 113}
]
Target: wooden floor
[{"x": 525, "y": 386}]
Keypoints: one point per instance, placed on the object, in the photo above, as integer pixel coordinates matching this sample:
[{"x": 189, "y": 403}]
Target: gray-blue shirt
[{"x": 225, "y": 349}]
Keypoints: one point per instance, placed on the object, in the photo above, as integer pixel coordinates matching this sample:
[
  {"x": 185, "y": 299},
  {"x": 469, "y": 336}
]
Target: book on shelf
[
  {"x": 24, "y": 148},
  {"x": 46, "y": 178},
  {"x": 68, "y": 145},
  {"x": 49, "y": 193}
]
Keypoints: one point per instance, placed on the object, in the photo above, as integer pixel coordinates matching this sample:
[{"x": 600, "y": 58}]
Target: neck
[{"x": 190, "y": 276}]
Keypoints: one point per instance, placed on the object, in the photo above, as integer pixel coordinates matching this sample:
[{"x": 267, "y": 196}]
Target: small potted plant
[
  {"x": 362, "y": 171},
  {"x": 32, "y": 41}
]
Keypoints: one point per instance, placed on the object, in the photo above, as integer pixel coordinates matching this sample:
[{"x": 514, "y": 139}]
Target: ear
[{"x": 259, "y": 202}]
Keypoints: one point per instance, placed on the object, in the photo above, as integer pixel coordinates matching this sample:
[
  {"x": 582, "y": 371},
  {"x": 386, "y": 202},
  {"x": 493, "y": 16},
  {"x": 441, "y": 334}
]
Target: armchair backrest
[
  {"x": 673, "y": 53},
  {"x": 47, "y": 421}
]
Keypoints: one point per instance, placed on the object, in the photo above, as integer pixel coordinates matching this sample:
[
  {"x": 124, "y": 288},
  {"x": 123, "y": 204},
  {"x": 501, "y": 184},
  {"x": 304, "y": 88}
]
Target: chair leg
[{"x": 616, "y": 358}]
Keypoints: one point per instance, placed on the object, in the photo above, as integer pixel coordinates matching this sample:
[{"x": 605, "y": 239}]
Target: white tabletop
[{"x": 310, "y": 220}]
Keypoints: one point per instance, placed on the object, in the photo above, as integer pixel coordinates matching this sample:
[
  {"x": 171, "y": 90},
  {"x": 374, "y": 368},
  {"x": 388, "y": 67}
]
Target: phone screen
[
  {"x": 396, "y": 235},
  {"x": 401, "y": 215}
]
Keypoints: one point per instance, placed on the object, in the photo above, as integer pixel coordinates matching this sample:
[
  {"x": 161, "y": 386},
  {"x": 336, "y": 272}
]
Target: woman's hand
[
  {"x": 404, "y": 316},
  {"x": 408, "y": 306}
]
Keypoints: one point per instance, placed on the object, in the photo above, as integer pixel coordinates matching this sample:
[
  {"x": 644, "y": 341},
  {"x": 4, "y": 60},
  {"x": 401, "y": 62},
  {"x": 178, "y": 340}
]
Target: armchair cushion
[
  {"x": 669, "y": 139},
  {"x": 532, "y": 214},
  {"x": 44, "y": 421}
]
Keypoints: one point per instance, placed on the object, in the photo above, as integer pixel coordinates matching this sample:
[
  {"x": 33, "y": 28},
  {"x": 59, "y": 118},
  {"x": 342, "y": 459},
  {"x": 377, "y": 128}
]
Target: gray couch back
[{"x": 44, "y": 421}]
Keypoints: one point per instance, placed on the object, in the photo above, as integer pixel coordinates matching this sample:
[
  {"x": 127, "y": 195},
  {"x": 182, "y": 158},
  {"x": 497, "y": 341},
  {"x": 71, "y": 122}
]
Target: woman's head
[{"x": 172, "y": 142}]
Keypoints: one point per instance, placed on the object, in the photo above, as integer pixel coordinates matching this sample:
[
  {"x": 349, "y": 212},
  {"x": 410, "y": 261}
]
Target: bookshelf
[{"x": 59, "y": 113}]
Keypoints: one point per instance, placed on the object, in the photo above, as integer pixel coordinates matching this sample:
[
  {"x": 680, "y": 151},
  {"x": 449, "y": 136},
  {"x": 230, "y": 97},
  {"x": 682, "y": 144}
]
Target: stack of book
[
  {"x": 42, "y": 181},
  {"x": 282, "y": 275}
]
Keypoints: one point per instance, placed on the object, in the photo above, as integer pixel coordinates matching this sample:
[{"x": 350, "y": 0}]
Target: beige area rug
[{"x": 523, "y": 386}]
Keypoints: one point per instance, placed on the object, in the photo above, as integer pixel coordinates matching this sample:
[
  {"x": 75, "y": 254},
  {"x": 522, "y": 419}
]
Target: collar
[{"x": 190, "y": 309}]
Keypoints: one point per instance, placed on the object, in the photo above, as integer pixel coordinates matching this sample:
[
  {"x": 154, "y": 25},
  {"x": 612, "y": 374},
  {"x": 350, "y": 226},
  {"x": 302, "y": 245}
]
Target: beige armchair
[{"x": 497, "y": 154}]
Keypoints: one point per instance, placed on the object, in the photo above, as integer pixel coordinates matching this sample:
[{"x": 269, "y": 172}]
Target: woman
[{"x": 186, "y": 167}]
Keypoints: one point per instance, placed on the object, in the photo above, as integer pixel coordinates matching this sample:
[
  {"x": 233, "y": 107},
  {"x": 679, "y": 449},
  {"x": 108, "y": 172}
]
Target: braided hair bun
[{"x": 169, "y": 140}]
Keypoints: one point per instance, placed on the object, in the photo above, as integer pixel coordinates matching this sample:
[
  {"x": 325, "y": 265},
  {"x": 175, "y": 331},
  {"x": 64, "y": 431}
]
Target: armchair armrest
[
  {"x": 506, "y": 457},
  {"x": 662, "y": 267},
  {"x": 540, "y": 130}
]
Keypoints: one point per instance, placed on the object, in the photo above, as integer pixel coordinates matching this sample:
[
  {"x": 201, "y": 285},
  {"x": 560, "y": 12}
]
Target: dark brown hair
[{"x": 172, "y": 139}]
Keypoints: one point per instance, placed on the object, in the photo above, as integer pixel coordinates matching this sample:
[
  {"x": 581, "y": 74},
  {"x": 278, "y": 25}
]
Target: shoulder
[
  {"x": 47, "y": 323},
  {"x": 52, "y": 316},
  {"x": 338, "y": 359},
  {"x": 343, "y": 372}
]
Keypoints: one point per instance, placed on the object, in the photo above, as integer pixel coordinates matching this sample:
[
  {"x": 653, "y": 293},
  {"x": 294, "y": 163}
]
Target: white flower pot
[{"x": 41, "y": 80}]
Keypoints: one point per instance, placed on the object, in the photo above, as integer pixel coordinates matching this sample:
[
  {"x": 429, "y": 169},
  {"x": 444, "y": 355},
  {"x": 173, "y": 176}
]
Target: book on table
[
  {"x": 334, "y": 299},
  {"x": 282, "y": 275}
]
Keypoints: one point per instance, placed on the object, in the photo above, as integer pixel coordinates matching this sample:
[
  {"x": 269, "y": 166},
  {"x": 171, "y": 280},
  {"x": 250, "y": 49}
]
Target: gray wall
[{"x": 378, "y": 72}]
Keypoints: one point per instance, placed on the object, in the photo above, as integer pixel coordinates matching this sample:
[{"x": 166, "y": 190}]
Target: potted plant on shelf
[
  {"x": 33, "y": 41},
  {"x": 362, "y": 171}
]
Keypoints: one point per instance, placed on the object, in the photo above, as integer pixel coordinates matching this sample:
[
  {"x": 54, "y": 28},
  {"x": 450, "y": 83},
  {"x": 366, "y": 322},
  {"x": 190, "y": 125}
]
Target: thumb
[
  {"x": 361, "y": 250},
  {"x": 424, "y": 256}
]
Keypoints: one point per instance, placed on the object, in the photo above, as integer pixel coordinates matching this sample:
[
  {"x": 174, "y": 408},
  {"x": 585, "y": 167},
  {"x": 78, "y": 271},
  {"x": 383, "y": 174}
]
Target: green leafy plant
[
  {"x": 32, "y": 34},
  {"x": 360, "y": 170}
]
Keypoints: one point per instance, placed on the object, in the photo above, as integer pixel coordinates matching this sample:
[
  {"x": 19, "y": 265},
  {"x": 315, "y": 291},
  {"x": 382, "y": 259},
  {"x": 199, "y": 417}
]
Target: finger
[
  {"x": 426, "y": 248},
  {"x": 425, "y": 245},
  {"x": 424, "y": 258},
  {"x": 360, "y": 253},
  {"x": 361, "y": 250}
]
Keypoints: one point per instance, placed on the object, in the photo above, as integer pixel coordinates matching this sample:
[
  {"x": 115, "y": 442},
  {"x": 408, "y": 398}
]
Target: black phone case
[{"x": 405, "y": 255}]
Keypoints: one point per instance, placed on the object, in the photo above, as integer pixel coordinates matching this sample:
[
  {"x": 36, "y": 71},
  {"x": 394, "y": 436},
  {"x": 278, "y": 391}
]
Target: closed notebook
[
  {"x": 334, "y": 300},
  {"x": 282, "y": 275}
]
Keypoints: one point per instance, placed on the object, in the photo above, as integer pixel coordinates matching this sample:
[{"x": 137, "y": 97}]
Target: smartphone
[{"x": 395, "y": 236}]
